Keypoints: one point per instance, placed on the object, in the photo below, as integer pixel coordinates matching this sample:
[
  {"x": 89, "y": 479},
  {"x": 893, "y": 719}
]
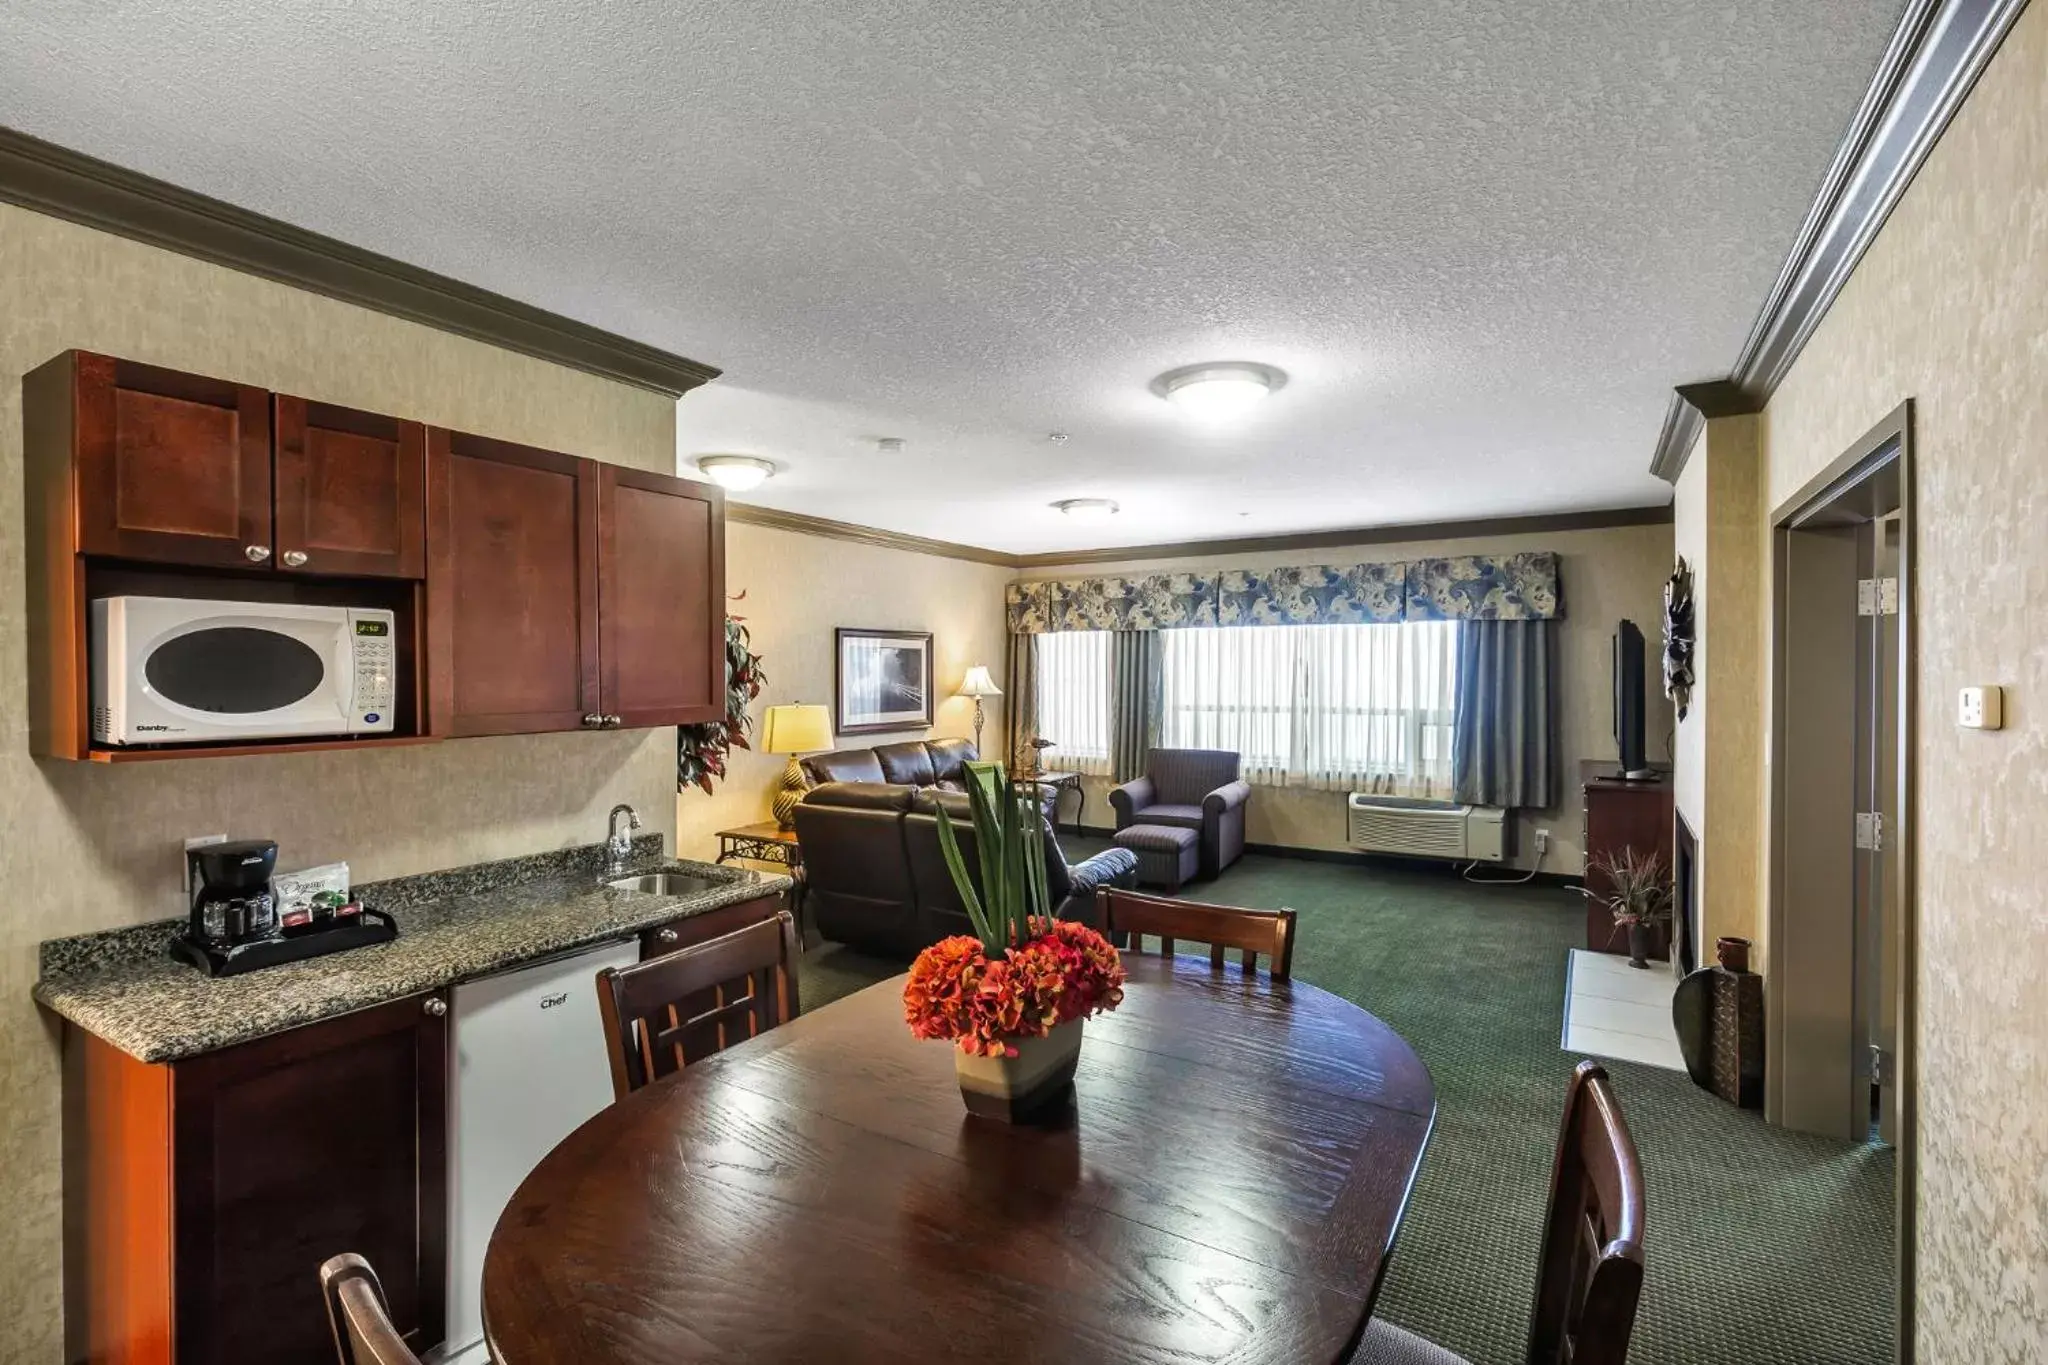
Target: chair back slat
[
  {"x": 1590, "y": 1273},
  {"x": 1127, "y": 916},
  {"x": 662, "y": 1014},
  {"x": 359, "y": 1315}
]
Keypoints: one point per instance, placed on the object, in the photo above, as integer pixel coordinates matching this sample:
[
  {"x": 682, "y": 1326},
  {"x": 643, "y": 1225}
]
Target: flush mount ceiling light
[
  {"x": 1219, "y": 392},
  {"x": 1087, "y": 509},
  {"x": 735, "y": 472}
]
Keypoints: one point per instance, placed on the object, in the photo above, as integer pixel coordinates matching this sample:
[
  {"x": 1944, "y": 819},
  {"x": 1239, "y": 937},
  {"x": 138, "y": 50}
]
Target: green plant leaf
[{"x": 956, "y": 865}]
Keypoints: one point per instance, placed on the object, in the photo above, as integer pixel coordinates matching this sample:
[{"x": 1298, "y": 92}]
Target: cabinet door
[
  {"x": 351, "y": 491},
  {"x": 294, "y": 1148},
  {"x": 660, "y": 598},
  {"x": 511, "y": 587},
  {"x": 171, "y": 467}
]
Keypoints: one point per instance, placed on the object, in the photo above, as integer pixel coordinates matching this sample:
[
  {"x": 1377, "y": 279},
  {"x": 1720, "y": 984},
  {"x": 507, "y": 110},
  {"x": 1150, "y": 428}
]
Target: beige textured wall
[
  {"x": 1608, "y": 574},
  {"x": 1950, "y": 308},
  {"x": 1718, "y": 765},
  {"x": 88, "y": 846},
  {"x": 799, "y": 588}
]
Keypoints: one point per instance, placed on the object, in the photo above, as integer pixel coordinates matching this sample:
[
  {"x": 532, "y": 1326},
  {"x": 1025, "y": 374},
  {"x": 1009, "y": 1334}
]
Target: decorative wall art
[
  {"x": 883, "y": 681},
  {"x": 1678, "y": 637}
]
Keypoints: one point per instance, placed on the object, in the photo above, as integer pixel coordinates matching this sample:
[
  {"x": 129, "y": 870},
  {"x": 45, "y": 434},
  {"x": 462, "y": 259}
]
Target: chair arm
[
  {"x": 1133, "y": 795},
  {"x": 1111, "y": 867},
  {"x": 1229, "y": 796}
]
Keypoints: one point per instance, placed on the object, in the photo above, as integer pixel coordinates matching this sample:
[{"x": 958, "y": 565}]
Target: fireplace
[{"x": 1685, "y": 908}]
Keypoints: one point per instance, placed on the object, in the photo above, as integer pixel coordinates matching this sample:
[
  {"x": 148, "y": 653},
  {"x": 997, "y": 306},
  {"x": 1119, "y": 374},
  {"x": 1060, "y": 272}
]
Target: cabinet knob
[
  {"x": 593, "y": 720},
  {"x": 436, "y": 1006},
  {"x": 257, "y": 553},
  {"x": 294, "y": 558},
  {"x": 665, "y": 936},
  {"x": 613, "y": 722}
]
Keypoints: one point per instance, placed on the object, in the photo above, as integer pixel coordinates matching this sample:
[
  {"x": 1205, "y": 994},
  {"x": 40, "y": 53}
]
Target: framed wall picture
[{"x": 882, "y": 681}]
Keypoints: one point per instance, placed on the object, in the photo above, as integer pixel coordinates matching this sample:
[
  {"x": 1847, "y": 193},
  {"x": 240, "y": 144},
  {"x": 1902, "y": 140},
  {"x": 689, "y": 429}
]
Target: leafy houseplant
[
  {"x": 1014, "y": 994},
  {"x": 701, "y": 749},
  {"x": 1638, "y": 895}
]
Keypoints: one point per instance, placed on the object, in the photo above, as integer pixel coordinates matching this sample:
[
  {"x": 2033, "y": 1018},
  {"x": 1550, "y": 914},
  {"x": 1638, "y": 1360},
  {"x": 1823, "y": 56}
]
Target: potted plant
[
  {"x": 1013, "y": 994},
  {"x": 1638, "y": 895}
]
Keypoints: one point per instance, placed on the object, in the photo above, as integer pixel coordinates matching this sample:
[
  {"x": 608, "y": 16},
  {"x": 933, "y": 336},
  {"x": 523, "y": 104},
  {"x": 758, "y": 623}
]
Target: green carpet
[{"x": 1764, "y": 1247}]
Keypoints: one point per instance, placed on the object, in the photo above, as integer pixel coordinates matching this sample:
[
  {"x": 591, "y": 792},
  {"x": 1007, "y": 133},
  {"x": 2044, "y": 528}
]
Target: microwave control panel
[{"x": 376, "y": 669}]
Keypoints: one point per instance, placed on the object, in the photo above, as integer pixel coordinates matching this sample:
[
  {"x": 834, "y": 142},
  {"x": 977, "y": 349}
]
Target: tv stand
[{"x": 1622, "y": 812}]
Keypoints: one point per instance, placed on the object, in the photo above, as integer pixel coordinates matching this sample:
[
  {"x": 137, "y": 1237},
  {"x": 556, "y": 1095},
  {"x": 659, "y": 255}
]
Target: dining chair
[
  {"x": 359, "y": 1314},
  {"x": 683, "y": 1006},
  {"x": 1590, "y": 1270},
  {"x": 1132, "y": 915}
]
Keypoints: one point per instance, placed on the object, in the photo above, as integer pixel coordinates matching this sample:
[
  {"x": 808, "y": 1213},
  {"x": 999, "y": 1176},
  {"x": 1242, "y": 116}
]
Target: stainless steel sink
[{"x": 663, "y": 884}]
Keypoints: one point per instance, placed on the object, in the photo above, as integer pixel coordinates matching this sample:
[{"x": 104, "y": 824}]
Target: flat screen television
[{"x": 1628, "y": 702}]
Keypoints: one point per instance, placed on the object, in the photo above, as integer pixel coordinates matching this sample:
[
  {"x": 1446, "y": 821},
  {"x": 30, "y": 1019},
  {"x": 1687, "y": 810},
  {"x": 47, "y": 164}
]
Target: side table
[
  {"x": 1060, "y": 782},
  {"x": 768, "y": 842}
]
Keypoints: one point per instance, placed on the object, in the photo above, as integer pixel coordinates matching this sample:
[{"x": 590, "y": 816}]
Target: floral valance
[{"x": 1464, "y": 588}]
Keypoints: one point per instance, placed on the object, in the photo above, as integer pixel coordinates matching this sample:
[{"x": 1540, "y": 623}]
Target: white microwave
[{"x": 169, "y": 670}]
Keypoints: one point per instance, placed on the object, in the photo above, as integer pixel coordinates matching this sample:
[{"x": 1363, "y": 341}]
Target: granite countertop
[{"x": 124, "y": 986}]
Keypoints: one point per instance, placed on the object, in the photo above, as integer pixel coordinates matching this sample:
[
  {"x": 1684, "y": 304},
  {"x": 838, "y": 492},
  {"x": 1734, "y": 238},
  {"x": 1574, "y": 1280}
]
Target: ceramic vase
[
  {"x": 1639, "y": 945},
  {"x": 1017, "y": 1089}
]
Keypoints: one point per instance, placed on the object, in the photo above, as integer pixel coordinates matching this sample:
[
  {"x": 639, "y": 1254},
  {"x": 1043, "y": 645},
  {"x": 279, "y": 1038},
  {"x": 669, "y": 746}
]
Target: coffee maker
[{"x": 231, "y": 900}]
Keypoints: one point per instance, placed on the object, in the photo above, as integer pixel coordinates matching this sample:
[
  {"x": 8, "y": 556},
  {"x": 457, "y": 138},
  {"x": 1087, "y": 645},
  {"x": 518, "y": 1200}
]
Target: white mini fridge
[{"x": 529, "y": 1067}]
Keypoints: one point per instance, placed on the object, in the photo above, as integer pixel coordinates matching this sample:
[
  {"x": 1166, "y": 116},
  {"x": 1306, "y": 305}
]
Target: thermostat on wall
[{"x": 1981, "y": 708}]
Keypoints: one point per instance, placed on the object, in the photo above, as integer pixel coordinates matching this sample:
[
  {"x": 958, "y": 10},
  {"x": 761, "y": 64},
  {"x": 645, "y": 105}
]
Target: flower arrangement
[
  {"x": 1066, "y": 971},
  {"x": 1023, "y": 973},
  {"x": 701, "y": 749}
]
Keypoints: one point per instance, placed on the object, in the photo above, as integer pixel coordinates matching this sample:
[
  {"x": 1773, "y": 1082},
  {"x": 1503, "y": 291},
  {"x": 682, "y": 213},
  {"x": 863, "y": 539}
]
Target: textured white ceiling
[{"x": 1485, "y": 239}]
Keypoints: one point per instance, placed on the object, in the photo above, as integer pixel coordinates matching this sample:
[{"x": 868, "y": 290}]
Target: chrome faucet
[{"x": 618, "y": 843}]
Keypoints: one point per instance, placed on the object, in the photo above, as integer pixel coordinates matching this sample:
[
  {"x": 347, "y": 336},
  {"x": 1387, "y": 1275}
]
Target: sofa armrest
[
  {"x": 1229, "y": 796},
  {"x": 1132, "y": 796},
  {"x": 1111, "y": 867}
]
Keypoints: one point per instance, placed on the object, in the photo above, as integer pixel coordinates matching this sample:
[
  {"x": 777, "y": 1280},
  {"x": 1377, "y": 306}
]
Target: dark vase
[
  {"x": 1639, "y": 945},
  {"x": 1733, "y": 953}
]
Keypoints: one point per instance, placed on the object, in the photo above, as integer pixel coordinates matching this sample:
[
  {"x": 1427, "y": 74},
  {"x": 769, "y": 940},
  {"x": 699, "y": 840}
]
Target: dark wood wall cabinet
[
  {"x": 1621, "y": 814},
  {"x": 535, "y": 590}
]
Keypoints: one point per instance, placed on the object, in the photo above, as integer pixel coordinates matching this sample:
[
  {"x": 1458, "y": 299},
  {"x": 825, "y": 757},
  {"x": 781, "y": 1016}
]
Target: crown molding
[
  {"x": 803, "y": 524},
  {"x": 1936, "y": 54},
  {"x": 1363, "y": 535},
  {"x": 65, "y": 184}
]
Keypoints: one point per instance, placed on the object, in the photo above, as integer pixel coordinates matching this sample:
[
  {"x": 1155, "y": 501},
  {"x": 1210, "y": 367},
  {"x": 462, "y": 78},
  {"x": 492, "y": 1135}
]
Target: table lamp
[
  {"x": 978, "y": 684},
  {"x": 799, "y": 728}
]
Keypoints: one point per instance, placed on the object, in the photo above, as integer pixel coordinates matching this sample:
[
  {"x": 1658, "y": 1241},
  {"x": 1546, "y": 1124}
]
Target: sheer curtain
[
  {"x": 1350, "y": 707},
  {"x": 1073, "y": 699}
]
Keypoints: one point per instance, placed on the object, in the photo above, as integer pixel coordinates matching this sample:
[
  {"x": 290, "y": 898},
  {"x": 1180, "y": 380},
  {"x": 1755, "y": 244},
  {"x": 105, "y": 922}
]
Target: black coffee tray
[{"x": 375, "y": 927}]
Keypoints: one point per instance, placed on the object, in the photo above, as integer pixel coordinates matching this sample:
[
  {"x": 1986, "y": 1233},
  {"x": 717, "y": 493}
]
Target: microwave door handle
[{"x": 344, "y": 666}]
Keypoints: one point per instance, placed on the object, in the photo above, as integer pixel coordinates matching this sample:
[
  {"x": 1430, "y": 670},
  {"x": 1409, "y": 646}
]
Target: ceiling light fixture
[
  {"x": 1088, "y": 509},
  {"x": 736, "y": 473},
  {"x": 1219, "y": 392}
]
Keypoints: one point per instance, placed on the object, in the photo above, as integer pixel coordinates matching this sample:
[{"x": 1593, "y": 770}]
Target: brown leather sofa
[
  {"x": 875, "y": 875},
  {"x": 916, "y": 763}
]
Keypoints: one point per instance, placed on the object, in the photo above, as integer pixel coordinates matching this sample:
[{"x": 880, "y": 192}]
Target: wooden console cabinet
[{"x": 1622, "y": 815}]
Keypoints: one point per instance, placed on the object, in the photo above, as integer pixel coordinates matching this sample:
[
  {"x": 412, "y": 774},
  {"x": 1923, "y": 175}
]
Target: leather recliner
[{"x": 875, "y": 874}]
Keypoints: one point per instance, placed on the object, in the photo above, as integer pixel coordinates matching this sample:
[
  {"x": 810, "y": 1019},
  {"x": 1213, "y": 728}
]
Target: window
[
  {"x": 1073, "y": 698},
  {"x": 1353, "y": 707}
]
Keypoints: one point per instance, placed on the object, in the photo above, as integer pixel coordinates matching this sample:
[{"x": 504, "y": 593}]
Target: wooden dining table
[{"x": 1225, "y": 1185}]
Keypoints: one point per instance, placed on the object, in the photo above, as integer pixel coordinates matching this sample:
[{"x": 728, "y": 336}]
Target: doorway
[{"x": 1840, "y": 920}]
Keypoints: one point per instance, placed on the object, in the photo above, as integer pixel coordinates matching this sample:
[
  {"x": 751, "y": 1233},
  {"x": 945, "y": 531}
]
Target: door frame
[{"x": 1884, "y": 453}]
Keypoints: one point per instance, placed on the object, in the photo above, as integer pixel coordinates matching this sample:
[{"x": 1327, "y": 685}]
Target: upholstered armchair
[{"x": 1196, "y": 789}]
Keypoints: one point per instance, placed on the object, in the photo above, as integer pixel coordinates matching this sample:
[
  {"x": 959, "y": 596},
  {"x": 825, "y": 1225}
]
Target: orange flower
[{"x": 1066, "y": 971}]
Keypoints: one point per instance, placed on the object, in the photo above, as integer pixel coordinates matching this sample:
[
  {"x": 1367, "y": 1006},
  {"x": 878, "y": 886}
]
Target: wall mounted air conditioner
[{"x": 1421, "y": 828}]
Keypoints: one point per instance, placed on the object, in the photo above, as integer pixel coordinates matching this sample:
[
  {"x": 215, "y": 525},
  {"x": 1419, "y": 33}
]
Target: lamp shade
[
  {"x": 978, "y": 683},
  {"x": 800, "y": 728}
]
